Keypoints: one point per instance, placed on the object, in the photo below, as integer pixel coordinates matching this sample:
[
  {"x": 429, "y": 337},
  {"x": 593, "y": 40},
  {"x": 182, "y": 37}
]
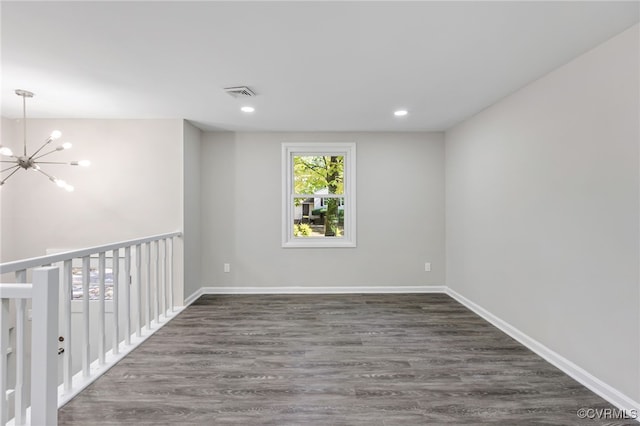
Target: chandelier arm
[
  {"x": 46, "y": 153},
  {"x": 53, "y": 162},
  {"x": 9, "y": 168},
  {"x": 40, "y": 149},
  {"x": 10, "y": 174},
  {"x": 8, "y": 161},
  {"x": 51, "y": 178}
]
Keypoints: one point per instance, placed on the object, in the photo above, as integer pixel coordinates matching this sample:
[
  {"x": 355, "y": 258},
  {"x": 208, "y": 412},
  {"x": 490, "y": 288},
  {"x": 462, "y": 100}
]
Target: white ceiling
[{"x": 316, "y": 66}]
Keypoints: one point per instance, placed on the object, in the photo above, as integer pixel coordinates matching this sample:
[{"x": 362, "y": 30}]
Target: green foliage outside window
[
  {"x": 302, "y": 230},
  {"x": 321, "y": 174}
]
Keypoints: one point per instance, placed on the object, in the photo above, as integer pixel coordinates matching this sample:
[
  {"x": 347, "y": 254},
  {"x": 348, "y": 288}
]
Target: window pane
[
  {"x": 318, "y": 174},
  {"x": 318, "y": 217}
]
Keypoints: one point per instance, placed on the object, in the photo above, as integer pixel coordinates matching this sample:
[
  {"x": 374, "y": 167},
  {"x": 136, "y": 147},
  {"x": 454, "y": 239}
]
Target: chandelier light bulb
[
  {"x": 69, "y": 188},
  {"x": 84, "y": 163},
  {"x": 56, "y": 134},
  {"x": 6, "y": 151},
  {"x": 61, "y": 183},
  {"x": 67, "y": 145}
]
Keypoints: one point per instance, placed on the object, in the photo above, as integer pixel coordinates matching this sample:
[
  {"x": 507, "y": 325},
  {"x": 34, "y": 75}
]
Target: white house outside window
[{"x": 319, "y": 181}]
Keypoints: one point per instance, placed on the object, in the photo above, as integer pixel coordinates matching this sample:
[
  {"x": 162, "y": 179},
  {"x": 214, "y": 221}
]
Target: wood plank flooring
[{"x": 392, "y": 359}]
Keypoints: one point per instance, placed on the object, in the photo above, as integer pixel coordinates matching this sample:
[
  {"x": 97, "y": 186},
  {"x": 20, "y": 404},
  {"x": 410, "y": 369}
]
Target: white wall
[
  {"x": 8, "y": 132},
  {"x": 132, "y": 189},
  {"x": 191, "y": 209},
  {"x": 542, "y": 211},
  {"x": 400, "y": 213},
  {"x": 135, "y": 173}
]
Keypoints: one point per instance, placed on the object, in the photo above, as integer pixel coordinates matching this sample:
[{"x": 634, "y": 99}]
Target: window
[{"x": 319, "y": 200}]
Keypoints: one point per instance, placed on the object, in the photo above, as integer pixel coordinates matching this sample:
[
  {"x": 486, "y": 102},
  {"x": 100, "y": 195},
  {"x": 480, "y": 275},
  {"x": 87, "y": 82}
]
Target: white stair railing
[
  {"x": 43, "y": 294},
  {"x": 142, "y": 301}
]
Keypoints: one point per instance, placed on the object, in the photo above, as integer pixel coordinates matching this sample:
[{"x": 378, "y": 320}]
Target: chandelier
[{"x": 33, "y": 161}]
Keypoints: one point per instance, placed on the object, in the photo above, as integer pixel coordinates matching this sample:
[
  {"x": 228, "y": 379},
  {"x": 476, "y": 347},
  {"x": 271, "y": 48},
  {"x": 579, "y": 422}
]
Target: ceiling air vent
[{"x": 239, "y": 92}]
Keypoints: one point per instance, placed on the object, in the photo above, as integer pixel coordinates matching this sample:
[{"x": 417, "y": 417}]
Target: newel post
[{"x": 44, "y": 365}]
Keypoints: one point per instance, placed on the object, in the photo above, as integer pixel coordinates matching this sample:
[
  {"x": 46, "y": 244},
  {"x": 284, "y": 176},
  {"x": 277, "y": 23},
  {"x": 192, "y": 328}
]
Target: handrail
[
  {"x": 34, "y": 262},
  {"x": 16, "y": 291}
]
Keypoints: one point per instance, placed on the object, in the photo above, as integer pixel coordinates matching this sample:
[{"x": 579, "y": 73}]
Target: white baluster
[
  {"x": 115, "y": 271},
  {"x": 164, "y": 277},
  {"x": 86, "y": 344},
  {"x": 67, "y": 283},
  {"x": 101, "y": 309},
  {"x": 148, "y": 287},
  {"x": 127, "y": 295},
  {"x": 138, "y": 310},
  {"x": 4, "y": 347},
  {"x": 156, "y": 297},
  {"x": 20, "y": 395},
  {"x": 170, "y": 273}
]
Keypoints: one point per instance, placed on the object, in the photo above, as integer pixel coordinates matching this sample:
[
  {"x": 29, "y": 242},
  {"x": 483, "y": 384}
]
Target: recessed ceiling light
[
  {"x": 247, "y": 109},
  {"x": 400, "y": 112}
]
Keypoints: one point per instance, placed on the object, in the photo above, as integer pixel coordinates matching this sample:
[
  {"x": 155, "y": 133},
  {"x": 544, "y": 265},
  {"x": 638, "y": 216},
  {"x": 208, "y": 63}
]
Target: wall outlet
[
  {"x": 227, "y": 267},
  {"x": 427, "y": 267}
]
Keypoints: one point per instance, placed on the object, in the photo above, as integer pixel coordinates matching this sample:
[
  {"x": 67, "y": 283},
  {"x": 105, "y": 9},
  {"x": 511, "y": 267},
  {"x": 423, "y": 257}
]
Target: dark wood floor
[{"x": 393, "y": 359}]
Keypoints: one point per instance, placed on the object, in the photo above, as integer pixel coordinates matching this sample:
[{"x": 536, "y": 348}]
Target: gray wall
[
  {"x": 191, "y": 208},
  {"x": 400, "y": 213},
  {"x": 542, "y": 211}
]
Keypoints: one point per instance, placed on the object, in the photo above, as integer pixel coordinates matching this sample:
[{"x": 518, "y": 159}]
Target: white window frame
[{"x": 348, "y": 151}]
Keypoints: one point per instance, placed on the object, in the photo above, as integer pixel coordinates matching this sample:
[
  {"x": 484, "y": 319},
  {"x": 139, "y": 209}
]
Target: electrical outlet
[
  {"x": 227, "y": 267},
  {"x": 427, "y": 267}
]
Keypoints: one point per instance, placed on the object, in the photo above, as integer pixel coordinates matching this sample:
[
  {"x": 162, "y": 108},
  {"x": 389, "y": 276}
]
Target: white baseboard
[
  {"x": 189, "y": 300},
  {"x": 615, "y": 397},
  {"x": 323, "y": 290}
]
